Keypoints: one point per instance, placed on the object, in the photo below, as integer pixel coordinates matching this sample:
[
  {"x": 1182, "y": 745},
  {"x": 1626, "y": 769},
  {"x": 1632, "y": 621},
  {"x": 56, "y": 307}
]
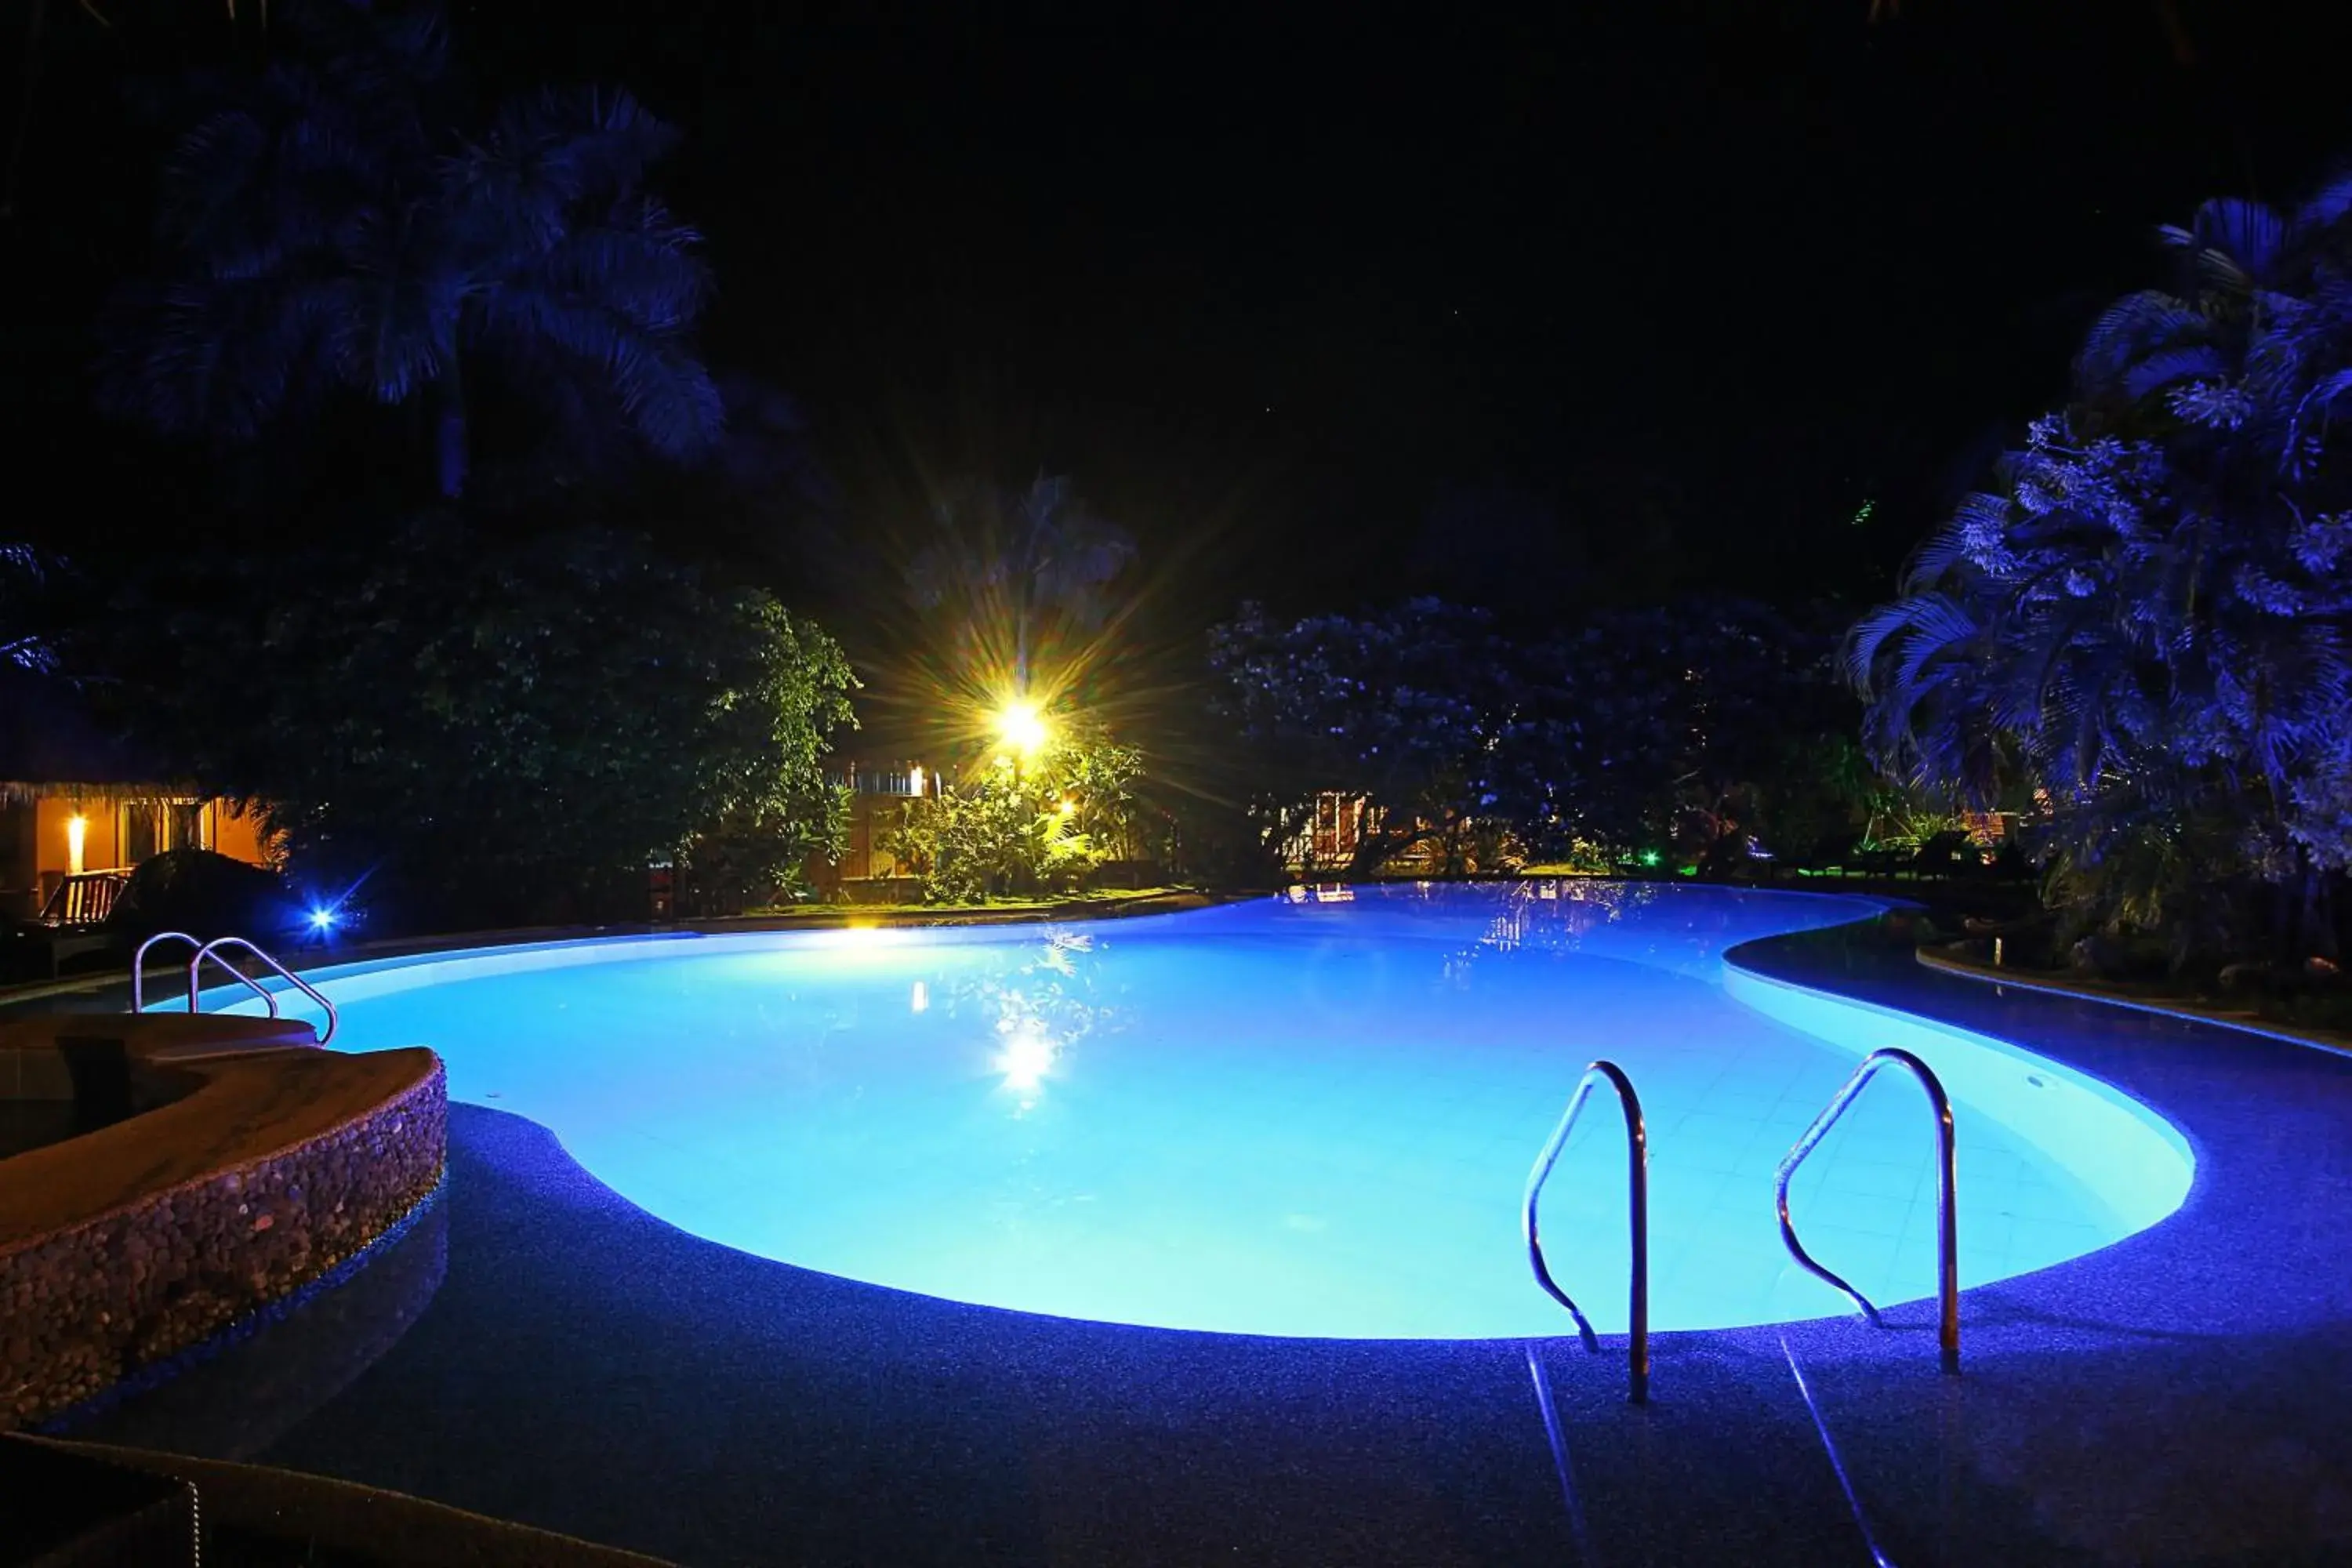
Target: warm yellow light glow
[
  {"x": 1067, "y": 805},
  {"x": 1021, "y": 727},
  {"x": 866, "y": 939},
  {"x": 915, "y": 779},
  {"x": 77, "y": 836}
]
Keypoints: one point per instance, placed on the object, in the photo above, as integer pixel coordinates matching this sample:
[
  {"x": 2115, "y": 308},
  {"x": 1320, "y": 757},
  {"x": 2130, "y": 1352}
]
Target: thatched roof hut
[{"x": 52, "y": 746}]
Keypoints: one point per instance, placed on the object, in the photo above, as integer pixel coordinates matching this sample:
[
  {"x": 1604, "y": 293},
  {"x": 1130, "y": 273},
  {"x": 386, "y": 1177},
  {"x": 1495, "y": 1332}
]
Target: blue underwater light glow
[{"x": 1305, "y": 1116}]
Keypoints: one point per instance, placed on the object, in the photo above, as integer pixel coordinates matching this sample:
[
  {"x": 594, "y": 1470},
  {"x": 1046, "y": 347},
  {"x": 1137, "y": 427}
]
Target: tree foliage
[
  {"x": 1407, "y": 707},
  {"x": 1709, "y": 726},
  {"x": 1017, "y": 825},
  {"x": 2144, "y": 618},
  {"x": 1678, "y": 724},
  {"x": 470, "y": 728}
]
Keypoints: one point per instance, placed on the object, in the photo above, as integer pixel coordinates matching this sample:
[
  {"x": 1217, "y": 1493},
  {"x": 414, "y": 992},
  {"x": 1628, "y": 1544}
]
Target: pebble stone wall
[{"x": 84, "y": 1307}]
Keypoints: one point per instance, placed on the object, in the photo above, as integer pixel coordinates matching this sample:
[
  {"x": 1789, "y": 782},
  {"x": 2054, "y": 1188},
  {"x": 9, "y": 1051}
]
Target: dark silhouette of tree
[
  {"x": 484, "y": 727},
  {"x": 1021, "y": 572},
  {"x": 1407, "y": 707},
  {"x": 1693, "y": 723},
  {"x": 343, "y": 223}
]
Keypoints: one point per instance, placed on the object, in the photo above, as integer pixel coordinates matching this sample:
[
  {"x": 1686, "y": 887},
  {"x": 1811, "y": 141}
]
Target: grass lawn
[{"x": 1102, "y": 899}]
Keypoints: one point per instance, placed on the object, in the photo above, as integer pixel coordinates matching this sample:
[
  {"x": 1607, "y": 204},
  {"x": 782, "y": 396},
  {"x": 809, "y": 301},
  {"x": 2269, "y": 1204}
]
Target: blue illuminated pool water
[{"x": 1306, "y": 1117}]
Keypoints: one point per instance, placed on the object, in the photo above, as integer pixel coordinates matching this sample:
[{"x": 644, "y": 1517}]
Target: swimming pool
[{"x": 1310, "y": 1115}]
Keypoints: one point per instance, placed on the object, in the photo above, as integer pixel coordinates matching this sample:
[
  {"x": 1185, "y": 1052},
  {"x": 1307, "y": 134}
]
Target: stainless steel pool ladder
[
  {"x": 1637, "y": 1200},
  {"x": 1948, "y": 1253},
  {"x": 204, "y": 950}
]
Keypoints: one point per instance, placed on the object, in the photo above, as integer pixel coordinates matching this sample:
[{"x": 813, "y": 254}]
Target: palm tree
[
  {"x": 338, "y": 226},
  {"x": 2146, "y": 619},
  {"x": 22, "y": 574}
]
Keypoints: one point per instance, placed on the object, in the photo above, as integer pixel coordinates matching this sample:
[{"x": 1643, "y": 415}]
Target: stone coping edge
[
  {"x": 210, "y": 1069},
  {"x": 306, "y": 960},
  {"x": 1950, "y": 962}
]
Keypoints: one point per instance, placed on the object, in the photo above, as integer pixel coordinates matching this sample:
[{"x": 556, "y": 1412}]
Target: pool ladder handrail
[
  {"x": 210, "y": 950},
  {"x": 139, "y": 967},
  {"x": 1637, "y": 1204},
  {"x": 1947, "y": 1254}
]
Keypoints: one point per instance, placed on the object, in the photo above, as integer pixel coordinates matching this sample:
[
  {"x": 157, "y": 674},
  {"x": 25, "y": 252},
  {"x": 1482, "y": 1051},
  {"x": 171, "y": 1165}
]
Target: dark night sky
[{"x": 1699, "y": 278}]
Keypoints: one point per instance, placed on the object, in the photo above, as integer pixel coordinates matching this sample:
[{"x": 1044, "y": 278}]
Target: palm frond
[
  {"x": 642, "y": 266},
  {"x": 1928, "y": 621},
  {"x": 1945, "y": 550},
  {"x": 224, "y": 356},
  {"x": 326, "y": 226},
  {"x": 662, "y": 390},
  {"x": 1938, "y": 627},
  {"x": 2238, "y": 242},
  {"x": 2318, "y": 404},
  {"x": 2132, "y": 328},
  {"x": 2198, "y": 362},
  {"x": 567, "y": 145},
  {"x": 395, "y": 318},
  {"x": 2329, "y": 204}
]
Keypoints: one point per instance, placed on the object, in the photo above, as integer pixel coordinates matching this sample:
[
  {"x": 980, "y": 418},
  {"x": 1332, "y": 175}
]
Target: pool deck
[{"x": 2177, "y": 1398}]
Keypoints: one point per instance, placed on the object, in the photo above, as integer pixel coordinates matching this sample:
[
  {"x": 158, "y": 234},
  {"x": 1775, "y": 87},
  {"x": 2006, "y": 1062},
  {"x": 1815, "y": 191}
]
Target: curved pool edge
[
  {"x": 2143, "y": 1171},
  {"x": 1677, "y": 932},
  {"x": 108, "y": 990},
  {"x": 2173, "y": 1397},
  {"x": 125, "y": 1247},
  {"x": 2263, "y": 1228},
  {"x": 1770, "y": 975},
  {"x": 2144, "y": 1168}
]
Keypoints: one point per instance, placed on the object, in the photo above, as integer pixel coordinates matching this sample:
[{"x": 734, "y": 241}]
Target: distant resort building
[
  {"x": 1337, "y": 823},
  {"x": 878, "y": 789},
  {"x": 80, "y": 809}
]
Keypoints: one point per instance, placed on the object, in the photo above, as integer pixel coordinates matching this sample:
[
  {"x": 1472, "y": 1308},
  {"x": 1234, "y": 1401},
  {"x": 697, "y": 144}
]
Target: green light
[
  {"x": 1649, "y": 856},
  {"x": 1863, "y": 516}
]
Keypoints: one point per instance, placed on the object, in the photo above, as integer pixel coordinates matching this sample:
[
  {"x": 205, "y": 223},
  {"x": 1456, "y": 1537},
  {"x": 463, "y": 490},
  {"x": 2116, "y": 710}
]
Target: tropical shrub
[{"x": 1020, "y": 826}]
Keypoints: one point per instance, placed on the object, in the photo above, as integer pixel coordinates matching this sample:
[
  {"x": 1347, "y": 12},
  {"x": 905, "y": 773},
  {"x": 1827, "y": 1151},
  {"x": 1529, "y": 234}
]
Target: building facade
[{"x": 78, "y": 804}]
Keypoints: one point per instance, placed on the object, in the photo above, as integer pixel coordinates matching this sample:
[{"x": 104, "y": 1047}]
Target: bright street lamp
[{"x": 1021, "y": 728}]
